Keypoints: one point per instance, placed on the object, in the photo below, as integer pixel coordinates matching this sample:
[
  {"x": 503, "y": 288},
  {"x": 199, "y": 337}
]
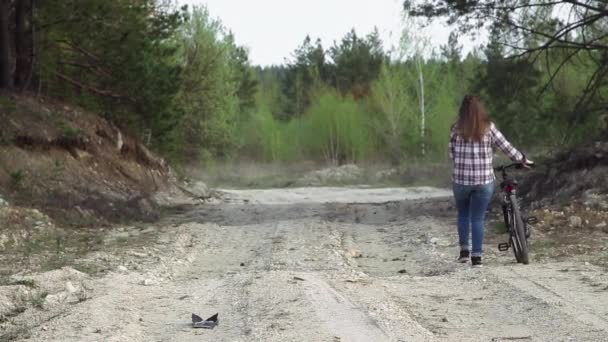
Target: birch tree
[{"x": 415, "y": 44}]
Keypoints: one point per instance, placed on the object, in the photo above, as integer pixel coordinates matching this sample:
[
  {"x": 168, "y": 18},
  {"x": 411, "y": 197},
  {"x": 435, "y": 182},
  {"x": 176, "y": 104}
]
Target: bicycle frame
[
  {"x": 507, "y": 190},
  {"x": 509, "y": 200}
]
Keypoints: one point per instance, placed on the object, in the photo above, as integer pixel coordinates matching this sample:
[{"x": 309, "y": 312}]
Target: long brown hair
[{"x": 473, "y": 121}]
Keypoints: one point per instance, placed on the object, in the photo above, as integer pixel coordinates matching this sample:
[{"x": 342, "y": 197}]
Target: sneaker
[
  {"x": 476, "y": 261},
  {"x": 464, "y": 256}
]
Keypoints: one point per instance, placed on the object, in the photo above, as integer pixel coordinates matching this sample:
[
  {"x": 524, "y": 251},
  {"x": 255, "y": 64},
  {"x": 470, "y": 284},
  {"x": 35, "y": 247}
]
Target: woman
[{"x": 471, "y": 141}]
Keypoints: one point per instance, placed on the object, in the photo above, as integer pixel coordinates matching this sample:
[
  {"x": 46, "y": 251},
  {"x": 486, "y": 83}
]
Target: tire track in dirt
[
  {"x": 569, "y": 294},
  {"x": 347, "y": 321},
  {"x": 293, "y": 275}
]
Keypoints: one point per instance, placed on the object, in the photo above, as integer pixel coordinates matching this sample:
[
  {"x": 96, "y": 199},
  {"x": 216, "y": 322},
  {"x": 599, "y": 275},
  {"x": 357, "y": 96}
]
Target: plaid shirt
[{"x": 472, "y": 161}]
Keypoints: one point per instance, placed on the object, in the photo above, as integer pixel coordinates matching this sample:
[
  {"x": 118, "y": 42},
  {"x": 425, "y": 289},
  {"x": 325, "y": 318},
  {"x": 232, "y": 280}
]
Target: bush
[
  {"x": 335, "y": 128},
  {"x": 265, "y": 138},
  {"x": 17, "y": 178}
]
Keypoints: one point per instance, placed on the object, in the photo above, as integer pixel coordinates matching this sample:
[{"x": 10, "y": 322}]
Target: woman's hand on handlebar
[{"x": 528, "y": 163}]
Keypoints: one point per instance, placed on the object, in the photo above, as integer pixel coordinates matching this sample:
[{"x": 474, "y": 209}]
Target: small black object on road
[{"x": 209, "y": 323}]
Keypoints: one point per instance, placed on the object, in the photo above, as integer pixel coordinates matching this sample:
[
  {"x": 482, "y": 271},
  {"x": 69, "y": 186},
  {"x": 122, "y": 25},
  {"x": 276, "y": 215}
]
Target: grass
[
  {"x": 41, "y": 250},
  {"x": 5, "y": 140},
  {"x": 543, "y": 244},
  {"x": 543, "y": 247},
  {"x": 90, "y": 268},
  {"x": 56, "y": 261},
  {"x": 17, "y": 178},
  {"x": 8, "y": 104},
  {"x": 58, "y": 169},
  {"x": 37, "y": 299},
  {"x": 500, "y": 228},
  {"x": 70, "y": 132}
]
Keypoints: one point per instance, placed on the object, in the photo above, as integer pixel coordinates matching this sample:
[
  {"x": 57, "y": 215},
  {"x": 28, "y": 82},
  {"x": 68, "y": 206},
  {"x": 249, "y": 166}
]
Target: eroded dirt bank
[{"x": 305, "y": 269}]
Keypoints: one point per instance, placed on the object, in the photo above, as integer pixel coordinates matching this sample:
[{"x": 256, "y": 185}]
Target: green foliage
[
  {"x": 245, "y": 78},
  {"x": 216, "y": 87},
  {"x": 357, "y": 63},
  {"x": 564, "y": 119},
  {"x": 149, "y": 67},
  {"x": 271, "y": 92},
  {"x": 38, "y": 298},
  {"x": 265, "y": 137},
  {"x": 58, "y": 169},
  {"x": 351, "y": 67},
  {"x": 509, "y": 87},
  {"x": 452, "y": 51},
  {"x": 396, "y": 96},
  {"x": 545, "y": 77},
  {"x": 5, "y": 139},
  {"x": 17, "y": 178},
  {"x": 68, "y": 131},
  {"x": 111, "y": 56},
  {"x": 308, "y": 69},
  {"x": 176, "y": 72},
  {"x": 336, "y": 128},
  {"x": 8, "y": 105},
  {"x": 500, "y": 228},
  {"x": 532, "y": 107},
  {"x": 397, "y": 123}
]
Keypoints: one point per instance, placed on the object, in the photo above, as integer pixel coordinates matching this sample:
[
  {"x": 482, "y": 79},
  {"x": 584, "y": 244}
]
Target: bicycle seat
[{"x": 510, "y": 181}]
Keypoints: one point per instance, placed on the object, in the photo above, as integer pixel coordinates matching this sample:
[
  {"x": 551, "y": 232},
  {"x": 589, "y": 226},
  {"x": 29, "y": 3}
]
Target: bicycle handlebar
[{"x": 517, "y": 165}]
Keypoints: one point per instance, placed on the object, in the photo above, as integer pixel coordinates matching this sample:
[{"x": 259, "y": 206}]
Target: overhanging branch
[{"x": 92, "y": 89}]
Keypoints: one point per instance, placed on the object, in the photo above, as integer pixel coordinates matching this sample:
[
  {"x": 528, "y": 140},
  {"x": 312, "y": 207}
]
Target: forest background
[{"x": 175, "y": 78}]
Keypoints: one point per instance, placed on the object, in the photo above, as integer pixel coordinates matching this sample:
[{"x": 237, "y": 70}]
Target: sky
[{"x": 273, "y": 29}]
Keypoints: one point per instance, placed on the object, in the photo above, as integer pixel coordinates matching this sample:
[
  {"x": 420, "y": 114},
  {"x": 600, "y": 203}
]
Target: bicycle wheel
[
  {"x": 509, "y": 219},
  {"x": 518, "y": 234},
  {"x": 506, "y": 213}
]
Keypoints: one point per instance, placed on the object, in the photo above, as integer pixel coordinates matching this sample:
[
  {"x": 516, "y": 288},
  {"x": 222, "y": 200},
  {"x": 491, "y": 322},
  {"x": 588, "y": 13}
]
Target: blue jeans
[{"x": 472, "y": 202}]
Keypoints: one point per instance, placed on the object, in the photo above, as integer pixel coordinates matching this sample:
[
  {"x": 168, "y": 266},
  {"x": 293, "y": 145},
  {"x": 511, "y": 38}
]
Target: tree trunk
[
  {"x": 6, "y": 81},
  {"x": 24, "y": 43}
]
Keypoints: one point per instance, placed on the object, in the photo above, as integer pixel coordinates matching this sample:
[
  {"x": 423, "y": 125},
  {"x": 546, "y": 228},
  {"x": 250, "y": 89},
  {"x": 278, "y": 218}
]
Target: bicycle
[{"x": 515, "y": 222}]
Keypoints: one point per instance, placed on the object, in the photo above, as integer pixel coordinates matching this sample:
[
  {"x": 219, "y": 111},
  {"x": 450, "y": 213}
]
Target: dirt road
[{"x": 284, "y": 265}]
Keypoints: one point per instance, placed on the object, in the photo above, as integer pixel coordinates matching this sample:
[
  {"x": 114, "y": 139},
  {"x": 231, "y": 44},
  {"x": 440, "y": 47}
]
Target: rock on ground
[
  {"x": 575, "y": 221},
  {"x": 595, "y": 200}
]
